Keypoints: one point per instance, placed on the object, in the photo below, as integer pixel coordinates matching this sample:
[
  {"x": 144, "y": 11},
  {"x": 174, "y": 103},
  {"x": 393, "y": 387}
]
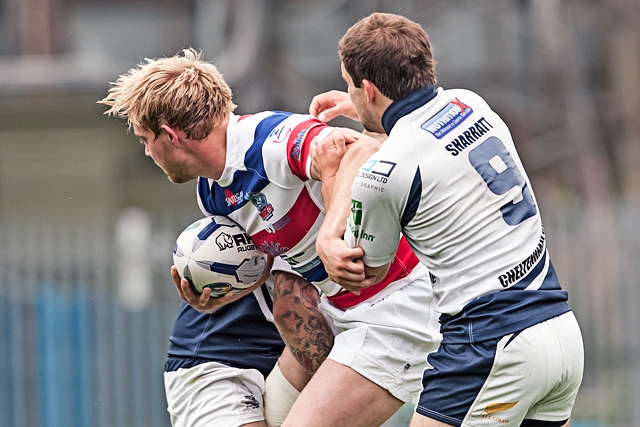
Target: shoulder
[
  {"x": 278, "y": 126},
  {"x": 467, "y": 96},
  {"x": 294, "y": 128},
  {"x": 257, "y": 123}
]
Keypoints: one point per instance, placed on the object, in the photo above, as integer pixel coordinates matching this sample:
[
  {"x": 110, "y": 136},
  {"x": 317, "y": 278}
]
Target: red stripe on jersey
[
  {"x": 403, "y": 263},
  {"x": 302, "y": 215},
  {"x": 244, "y": 116},
  {"x": 298, "y": 146}
]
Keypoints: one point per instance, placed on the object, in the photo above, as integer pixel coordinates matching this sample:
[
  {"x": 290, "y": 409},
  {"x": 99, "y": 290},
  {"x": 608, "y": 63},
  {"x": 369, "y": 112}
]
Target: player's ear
[
  {"x": 370, "y": 89},
  {"x": 173, "y": 134}
]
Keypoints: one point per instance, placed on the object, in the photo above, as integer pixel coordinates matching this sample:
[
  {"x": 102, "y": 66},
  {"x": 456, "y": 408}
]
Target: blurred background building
[{"x": 87, "y": 222}]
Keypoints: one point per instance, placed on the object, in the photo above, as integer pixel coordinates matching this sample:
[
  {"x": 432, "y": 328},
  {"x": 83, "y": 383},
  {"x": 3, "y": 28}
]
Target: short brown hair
[
  {"x": 182, "y": 91},
  {"x": 391, "y": 51}
]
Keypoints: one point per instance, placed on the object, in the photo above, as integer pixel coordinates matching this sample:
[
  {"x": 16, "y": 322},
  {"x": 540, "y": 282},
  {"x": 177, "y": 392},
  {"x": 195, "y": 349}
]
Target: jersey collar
[{"x": 404, "y": 106}]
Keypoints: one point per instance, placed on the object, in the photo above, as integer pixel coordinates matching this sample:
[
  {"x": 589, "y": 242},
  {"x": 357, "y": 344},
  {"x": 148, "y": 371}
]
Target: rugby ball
[{"x": 215, "y": 252}]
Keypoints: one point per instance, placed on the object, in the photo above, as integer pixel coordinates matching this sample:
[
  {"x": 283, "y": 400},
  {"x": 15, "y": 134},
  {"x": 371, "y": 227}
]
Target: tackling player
[
  {"x": 257, "y": 170},
  {"x": 450, "y": 180}
]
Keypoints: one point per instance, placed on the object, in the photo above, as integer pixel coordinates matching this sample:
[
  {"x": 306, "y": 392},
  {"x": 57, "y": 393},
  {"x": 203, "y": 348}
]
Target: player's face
[
  {"x": 358, "y": 97},
  {"x": 164, "y": 154}
]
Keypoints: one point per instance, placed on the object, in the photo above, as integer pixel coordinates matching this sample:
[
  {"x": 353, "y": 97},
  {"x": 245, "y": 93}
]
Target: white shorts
[
  {"x": 213, "y": 394},
  {"x": 388, "y": 340},
  {"x": 533, "y": 374}
]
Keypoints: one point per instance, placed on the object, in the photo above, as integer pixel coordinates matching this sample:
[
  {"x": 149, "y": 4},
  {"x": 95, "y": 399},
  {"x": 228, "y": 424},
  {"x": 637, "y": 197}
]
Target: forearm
[
  {"x": 336, "y": 190},
  {"x": 301, "y": 323}
]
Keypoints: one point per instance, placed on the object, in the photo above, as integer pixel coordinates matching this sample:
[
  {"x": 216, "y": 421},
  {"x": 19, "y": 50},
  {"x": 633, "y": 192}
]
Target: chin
[
  {"x": 179, "y": 179},
  {"x": 373, "y": 128}
]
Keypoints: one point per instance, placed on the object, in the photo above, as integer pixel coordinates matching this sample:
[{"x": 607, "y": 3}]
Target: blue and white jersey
[
  {"x": 267, "y": 188},
  {"x": 450, "y": 180}
]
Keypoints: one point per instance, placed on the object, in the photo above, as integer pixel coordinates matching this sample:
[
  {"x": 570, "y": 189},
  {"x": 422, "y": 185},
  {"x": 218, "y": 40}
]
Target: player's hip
[
  {"x": 405, "y": 308},
  {"x": 531, "y": 374},
  {"x": 214, "y": 394},
  {"x": 388, "y": 341}
]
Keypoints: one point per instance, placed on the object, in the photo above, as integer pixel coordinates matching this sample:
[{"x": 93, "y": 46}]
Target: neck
[
  {"x": 400, "y": 108},
  {"x": 213, "y": 151}
]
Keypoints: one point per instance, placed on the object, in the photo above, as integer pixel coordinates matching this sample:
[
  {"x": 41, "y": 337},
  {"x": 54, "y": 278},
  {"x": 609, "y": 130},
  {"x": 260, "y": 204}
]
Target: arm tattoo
[{"x": 299, "y": 320}]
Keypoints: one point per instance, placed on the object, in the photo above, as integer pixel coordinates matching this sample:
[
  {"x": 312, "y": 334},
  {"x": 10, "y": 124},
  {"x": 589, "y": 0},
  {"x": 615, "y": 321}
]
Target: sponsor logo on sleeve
[
  {"x": 355, "y": 222},
  {"x": 447, "y": 119},
  {"x": 356, "y": 212},
  {"x": 378, "y": 167},
  {"x": 374, "y": 175},
  {"x": 295, "y": 152}
]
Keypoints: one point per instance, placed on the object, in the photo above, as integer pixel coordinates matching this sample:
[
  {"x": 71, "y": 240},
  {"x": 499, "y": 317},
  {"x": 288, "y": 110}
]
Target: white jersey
[
  {"x": 267, "y": 188},
  {"x": 449, "y": 179}
]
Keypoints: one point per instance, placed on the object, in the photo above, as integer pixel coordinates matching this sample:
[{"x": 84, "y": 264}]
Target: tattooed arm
[{"x": 301, "y": 324}]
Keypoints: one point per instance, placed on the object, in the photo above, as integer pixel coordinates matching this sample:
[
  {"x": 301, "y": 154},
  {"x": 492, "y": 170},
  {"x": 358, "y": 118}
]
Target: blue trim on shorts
[
  {"x": 172, "y": 364},
  {"x": 497, "y": 314},
  {"x": 458, "y": 374}
]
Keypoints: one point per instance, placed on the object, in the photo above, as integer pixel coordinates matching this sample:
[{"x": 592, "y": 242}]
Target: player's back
[{"x": 454, "y": 179}]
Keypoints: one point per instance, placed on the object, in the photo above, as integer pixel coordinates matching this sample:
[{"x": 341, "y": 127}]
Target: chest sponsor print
[
  {"x": 233, "y": 199},
  {"x": 259, "y": 200}
]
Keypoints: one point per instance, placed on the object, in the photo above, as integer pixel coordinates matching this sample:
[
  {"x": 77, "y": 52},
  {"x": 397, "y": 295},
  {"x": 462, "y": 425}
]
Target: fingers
[
  {"x": 205, "y": 296},
  {"x": 176, "y": 280},
  {"x": 203, "y": 302},
  {"x": 327, "y": 154},
  {"x": 357, "y": 286},
  {"x": 329, "y": 114},
  {"x": 314, "y": 107},
  {"x": 336, "y": 140},
  {"x": 354, "y": 265},
  {"x": 329, "y": 105},
  {"x": 323, "y": 102},
  {"x": 351, "y": 135},
  {"x": 346, "y": 266}
]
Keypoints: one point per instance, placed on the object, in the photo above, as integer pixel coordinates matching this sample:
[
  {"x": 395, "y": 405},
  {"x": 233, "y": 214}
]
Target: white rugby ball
[{"x": 215, "y": 252}]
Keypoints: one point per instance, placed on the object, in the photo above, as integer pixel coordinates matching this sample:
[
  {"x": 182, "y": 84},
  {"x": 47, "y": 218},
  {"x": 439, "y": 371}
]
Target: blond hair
[{"x": 182, "y": 91}]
